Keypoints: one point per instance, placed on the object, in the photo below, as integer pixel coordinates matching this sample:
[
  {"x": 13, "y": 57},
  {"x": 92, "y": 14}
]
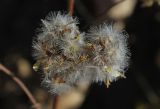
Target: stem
[
  {"x": 21, "y": 85},
  {"x": 70, "y": 7},
  {"x": 55, "y": 102}
]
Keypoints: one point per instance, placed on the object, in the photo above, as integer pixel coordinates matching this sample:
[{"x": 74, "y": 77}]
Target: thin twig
[
  {"x": 21, "y": 85},
  {"x": 71, "y": 7},
  {"x": 55, "y": 102}
]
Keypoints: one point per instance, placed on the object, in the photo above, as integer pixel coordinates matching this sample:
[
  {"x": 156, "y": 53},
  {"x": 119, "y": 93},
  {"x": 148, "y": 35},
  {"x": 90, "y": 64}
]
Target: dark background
[{"x": 19, "y": 20}]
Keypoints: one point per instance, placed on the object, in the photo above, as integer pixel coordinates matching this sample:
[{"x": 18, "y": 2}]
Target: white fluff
[
  {"x": 110, "y": 51},
  {"x": 68, "y": 57}
]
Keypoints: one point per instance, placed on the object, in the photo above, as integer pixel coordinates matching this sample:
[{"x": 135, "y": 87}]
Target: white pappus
[{"x": 67, "y": 56}]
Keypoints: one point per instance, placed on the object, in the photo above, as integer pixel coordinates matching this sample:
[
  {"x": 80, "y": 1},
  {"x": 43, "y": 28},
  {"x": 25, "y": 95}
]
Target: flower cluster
[{"x": 67, "y": 56}]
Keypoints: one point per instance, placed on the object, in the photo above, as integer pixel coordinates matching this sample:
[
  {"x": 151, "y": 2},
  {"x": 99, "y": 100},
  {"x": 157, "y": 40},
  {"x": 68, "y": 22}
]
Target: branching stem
[{"x": 21, "y": 85}]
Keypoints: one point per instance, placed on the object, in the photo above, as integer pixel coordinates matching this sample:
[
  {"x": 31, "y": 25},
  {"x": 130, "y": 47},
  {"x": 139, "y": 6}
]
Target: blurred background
[{"x": 19, "y": 20}]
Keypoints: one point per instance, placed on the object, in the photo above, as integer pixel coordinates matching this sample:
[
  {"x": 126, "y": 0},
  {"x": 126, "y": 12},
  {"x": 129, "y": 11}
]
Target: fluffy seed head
[
  {"x": 109, "y": 50},
  {"x": 68, "y": 57},
  {"x": 58, "y": 51}
]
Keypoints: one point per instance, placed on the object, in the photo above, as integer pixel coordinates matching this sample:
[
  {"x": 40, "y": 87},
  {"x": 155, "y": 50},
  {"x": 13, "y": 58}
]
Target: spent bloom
[
  {"x": 58, "y": 51},
  {"x": 108, "y": 51},
  {"x": 67, "y": 56}
]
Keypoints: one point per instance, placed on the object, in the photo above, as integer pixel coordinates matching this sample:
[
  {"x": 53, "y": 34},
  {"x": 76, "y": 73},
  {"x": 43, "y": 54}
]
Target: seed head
[
  {"x": 58, "y": 51},
  {"x": 109, "y": 51},
  {"x": 67, "y": 56}
]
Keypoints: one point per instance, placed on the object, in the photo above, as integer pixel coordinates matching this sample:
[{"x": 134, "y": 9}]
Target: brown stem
[
  {"x": 21, "y": 85},
  {"x": 55, "y": 102},
  {"x": 71, "y": 7}
]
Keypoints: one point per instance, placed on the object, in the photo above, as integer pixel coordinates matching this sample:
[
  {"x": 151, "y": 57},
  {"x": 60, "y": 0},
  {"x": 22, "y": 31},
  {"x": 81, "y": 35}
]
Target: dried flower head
[
  {"x": 109, "y": 52},
  {"x": 58, "y": 51},
  {"x": 67, "y": 57}
]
